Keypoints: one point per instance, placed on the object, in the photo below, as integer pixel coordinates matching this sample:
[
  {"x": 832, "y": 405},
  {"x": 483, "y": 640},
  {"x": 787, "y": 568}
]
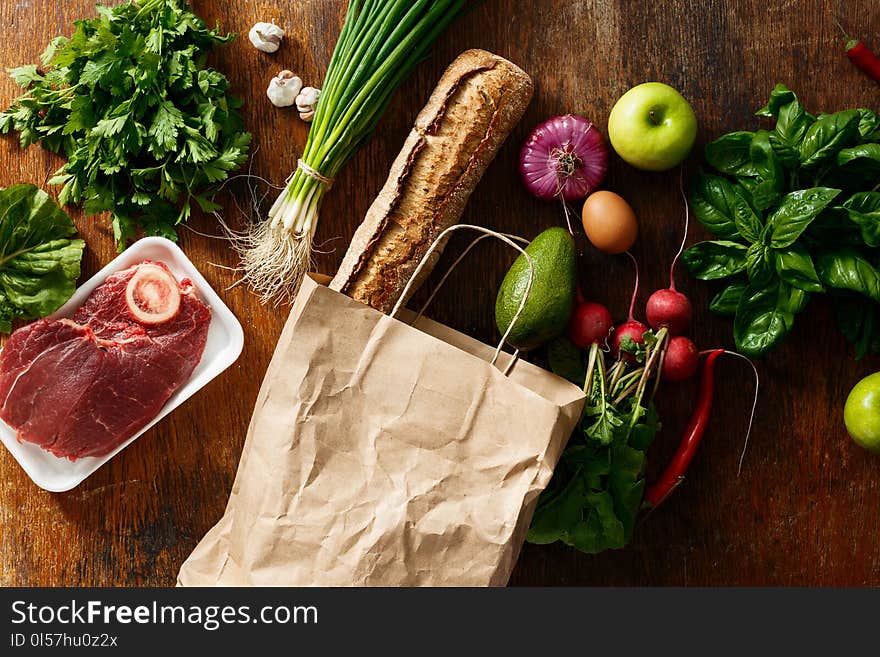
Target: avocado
[{"x": 551, "y": 300}]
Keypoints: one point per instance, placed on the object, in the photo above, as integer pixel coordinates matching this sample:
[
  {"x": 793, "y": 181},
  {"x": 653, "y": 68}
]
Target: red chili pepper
[
  {"x": 674, "y": 473},
  {"x": 860, "y": 55}
]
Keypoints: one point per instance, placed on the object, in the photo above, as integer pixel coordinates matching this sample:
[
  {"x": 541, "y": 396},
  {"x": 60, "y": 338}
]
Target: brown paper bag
[{"x": 385, "y": 454}]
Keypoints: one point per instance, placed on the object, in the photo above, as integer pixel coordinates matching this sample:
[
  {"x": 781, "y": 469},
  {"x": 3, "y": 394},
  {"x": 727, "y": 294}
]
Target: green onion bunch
[{"x": 381, "y": 43}]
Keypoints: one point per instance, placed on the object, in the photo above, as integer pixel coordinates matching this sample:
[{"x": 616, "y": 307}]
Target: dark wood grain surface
[{"x": 804, "y": 510}]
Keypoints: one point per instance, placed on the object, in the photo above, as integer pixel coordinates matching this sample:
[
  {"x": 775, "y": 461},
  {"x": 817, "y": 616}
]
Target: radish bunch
[
  {"x": 591, "y": 323},
  {"x": 672, "y": 310}
]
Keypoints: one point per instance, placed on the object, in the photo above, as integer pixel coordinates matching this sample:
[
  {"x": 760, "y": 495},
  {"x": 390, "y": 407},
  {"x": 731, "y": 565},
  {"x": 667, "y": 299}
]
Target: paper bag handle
[{"x": 487, "y": 232}]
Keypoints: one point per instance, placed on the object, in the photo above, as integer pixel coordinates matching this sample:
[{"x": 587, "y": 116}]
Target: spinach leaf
[
  {"x": 716, "y": 259},
  {"x": 725, "y": 302},
  {"x": 829, "y": 135},
  {"x": 846, "y": 269},
  {"x": 796, "y": 211},
  {"x": 730, "y": 154},
  {"x": 863, "y": 209},
  {"x": 763, "y": 319},
  {"x": 795, "y": 266},
  {"x": 860, "y": 324},
  {"x": 567, "y": 361},
  {"x": 39, "y": 260},
  {"x": 711, "y": 199}
]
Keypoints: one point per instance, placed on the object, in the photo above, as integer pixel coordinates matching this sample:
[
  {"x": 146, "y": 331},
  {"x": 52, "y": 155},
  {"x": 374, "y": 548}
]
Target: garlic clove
[
  {"x": 306, "y": 103},
  {"x": 266, "y": 37},
  {"x": 284, "y": 89}
]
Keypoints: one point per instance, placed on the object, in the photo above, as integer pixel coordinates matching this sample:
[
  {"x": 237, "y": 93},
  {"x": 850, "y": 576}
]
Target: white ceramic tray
[{"x": 225, "y": 342}]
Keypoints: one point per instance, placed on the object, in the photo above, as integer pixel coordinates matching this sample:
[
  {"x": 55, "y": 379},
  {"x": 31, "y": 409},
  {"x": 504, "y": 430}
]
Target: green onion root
[{"x": 277, "y": 253}]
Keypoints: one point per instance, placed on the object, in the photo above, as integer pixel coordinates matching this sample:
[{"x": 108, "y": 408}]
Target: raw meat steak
[{"x": 81, "y": 387}]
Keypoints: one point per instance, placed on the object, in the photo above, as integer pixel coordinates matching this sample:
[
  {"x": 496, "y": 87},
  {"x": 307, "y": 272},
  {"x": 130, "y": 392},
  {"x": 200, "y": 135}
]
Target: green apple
[
  {"x": 861, "y": 414},
  {"x": 652, "y": 127}
]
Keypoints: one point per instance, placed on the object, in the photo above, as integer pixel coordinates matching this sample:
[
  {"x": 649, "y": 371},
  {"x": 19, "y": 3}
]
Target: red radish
[
  {"x": 670, "y": 308},
  {"x": 682, "y": 359},
  {"x": 590, "y": 323},
  {"x": 152, "y": 294},
  {"x": 632, "y": 327}
]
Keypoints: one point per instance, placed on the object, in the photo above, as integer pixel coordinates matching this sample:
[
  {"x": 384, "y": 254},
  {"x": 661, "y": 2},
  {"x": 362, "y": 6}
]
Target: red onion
[{"x": 565, "y": 156}]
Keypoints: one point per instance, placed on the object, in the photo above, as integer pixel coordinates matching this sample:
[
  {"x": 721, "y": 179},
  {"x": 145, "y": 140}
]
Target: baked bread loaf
[{"x": 476, "y": 104}]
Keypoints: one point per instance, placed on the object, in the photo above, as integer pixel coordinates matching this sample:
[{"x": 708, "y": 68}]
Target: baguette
[{"x": 476, "y": 104}]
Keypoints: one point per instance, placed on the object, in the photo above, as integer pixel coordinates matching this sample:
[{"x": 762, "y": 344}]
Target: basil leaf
[
  {"x": 796, "y": 211},
  {"x": 780, "y": 96},
  {"x": 730, "y": 154},
  {"x": 792, "y": 124},
  {"x": 795, "y": 266},
  {"x": 846, "y": 269},
  {"x": 769, "y": 177},
  {"x": 830, "y": 134},
  {"x": 832, "y": 227},
  {"x": 789, "y": 133},
  {"x": 39, "y": 260},
  {"x": 869, "y": 152},
  {"x": 725, "y": 302},
  {"x": 864, "y": 210},
  {"x": 858, "y": 321},
  {"x": 869, "y": 124},
  {"x": 744, "y": 218},
  {"x": 758, "y": 264},
  {"x": 710, "y": 199},
  {"x": 713, "y": 260},
  {"x": 857, "y": 168},
  {"x": 763, "y": 318},
  {"x": 797, "y": 300},
  {"x": 567, "y": 361}
]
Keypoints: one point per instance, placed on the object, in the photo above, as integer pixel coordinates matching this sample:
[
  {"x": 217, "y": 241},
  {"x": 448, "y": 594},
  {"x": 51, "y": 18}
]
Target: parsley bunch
[{"x": 146, "y": 127}]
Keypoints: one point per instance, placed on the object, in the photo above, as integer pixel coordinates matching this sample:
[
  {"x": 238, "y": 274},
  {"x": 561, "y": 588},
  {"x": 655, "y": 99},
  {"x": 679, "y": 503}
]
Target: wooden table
[{"x": 804, "y": 510}]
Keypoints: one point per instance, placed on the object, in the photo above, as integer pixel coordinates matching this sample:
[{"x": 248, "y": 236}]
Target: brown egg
[{"x": 610, "y": 222}]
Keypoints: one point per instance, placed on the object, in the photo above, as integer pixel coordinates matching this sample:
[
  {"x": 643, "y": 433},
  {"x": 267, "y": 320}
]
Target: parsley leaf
[{"x": 147, "y": 129}]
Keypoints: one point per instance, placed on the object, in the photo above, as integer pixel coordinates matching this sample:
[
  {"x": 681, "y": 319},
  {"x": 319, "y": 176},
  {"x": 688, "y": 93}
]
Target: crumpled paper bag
[{"x": 385, "y": 455}]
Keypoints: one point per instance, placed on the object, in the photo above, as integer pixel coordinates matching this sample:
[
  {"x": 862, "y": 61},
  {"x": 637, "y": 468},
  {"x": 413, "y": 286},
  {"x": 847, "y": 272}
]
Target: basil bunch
[{"x": 796, "y": 211}]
